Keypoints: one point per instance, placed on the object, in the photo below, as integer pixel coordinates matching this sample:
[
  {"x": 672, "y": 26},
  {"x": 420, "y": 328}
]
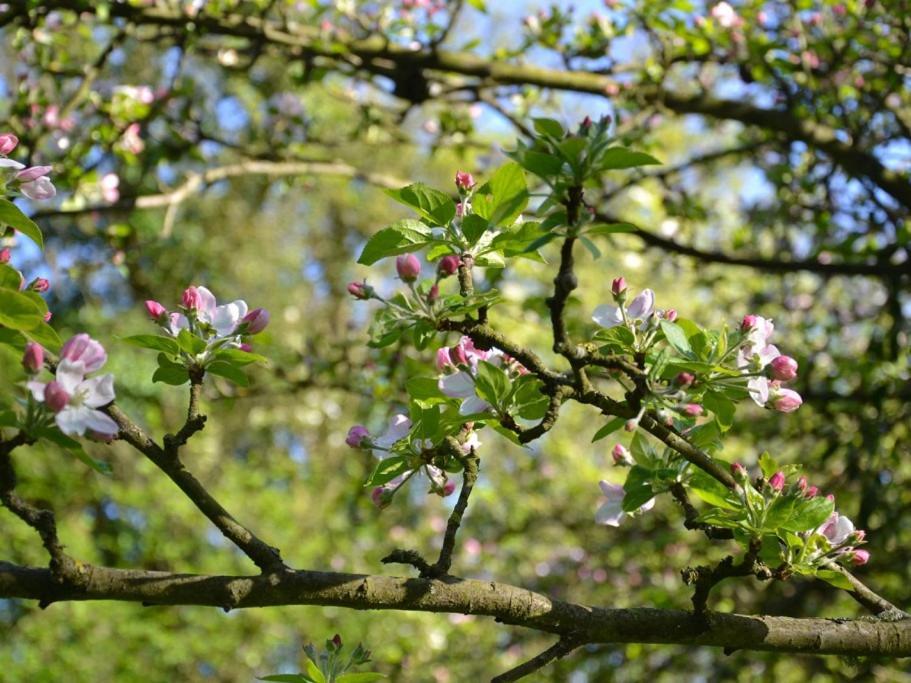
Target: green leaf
[
  {"x": 20, "y": 311},
  {"x": 545, "y": 126},
  {"x": 473, "y": 226},
  {"x": 491, "y": 383},
  {"x": 809, "y": 513},
  {"x": 11, "y": 215},
  {"x": 510, "y": 194},
  {"x": 637, "y": 488},
  {"x": 401, "y": 237},
  {"x": 365, "y": 677},
  {"x": 834, "y": 578},
  {"x": 424, "y": 389},
  {"x": 437, "y": 207},
  {"x": 712, "y": 491},
  {"x": 676, "y": 337},
  {"x": 592, "y": 249},
  {"x": 387, "y": 470},
  {"x": 45, "y": 335},
  {"x": 170, "y": 372},
  {"x": 482, "y": 8},
  {"x": 768, "y": 465},
  {"x": 228, "y": 371},
  {"x": 287, "y": 678},
  {"x": 10, "y": 278},
  {"x": 722, "y": 408},
  {"x": 189, "y": 343},
  {"x": 620, "y": 157},
  {"x": 239, "y": 357},
  {"x": 542, "y": 165},
  {"x": 154, "y": 342},
  {"x": 608, "y": 429}
]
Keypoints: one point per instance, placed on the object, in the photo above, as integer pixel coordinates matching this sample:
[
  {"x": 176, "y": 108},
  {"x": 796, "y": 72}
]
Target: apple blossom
[
  {"x": 356, "y": 436},
  {"x": 785, "y": 400},
  {"x": 739, "y": 472},
  {"x": 223, "y": 319},
  {"x": 618, "y": 286},
  {"x": 611, "y": 511},
  {"x": 860, "y": 557},
  {"x": 360, "y": 290},
  {"x": 448, "y": 488},
  {"x": 155, "y": 310},
  {"x": 684, "y": 379},
  {"x": 55, "y": 396},
  {"x": 33, "y": 358},
  {"x": 448, "y": 265},
  {"x": 408, "y": 267},
  {"x": 784, "y": 368},
  {"x": 8, "y": 143},
  {"x": 110, "y": 187},
  {"x": 398, "y": 429},
  {"x": 10, "y": 165},
  {"x": 255, "y": 321},
  {"x": 433, "y": 293},
  {"x": 39, "y": 189},
  {"x": 464, "y": 180},
  {"x": 39, "y": 284},
  {"x": 83, "y": 354},
  {"x": 443, "y": 359},
  {"x": 640, "y": 308},
  {"x": 812, "y": 492},
  {"x": 777, "y": 481},
  {"x": 32, "y": 173},
  {"x": 5, "y": 255},
  {"x": 757, "y": 330},
  {"x": 836, "y": 529},
  {"x": 693, "y": 409},
  {"x": 621, "y": 456}
]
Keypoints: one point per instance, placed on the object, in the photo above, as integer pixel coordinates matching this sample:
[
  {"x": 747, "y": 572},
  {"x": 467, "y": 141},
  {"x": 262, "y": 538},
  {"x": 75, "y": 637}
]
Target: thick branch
[{"x": 508, "y": 604}]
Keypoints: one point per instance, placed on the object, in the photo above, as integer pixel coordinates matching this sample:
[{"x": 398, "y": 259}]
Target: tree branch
[
  {"x": 556, "y": 651},
  {"x": 508, "y": 604}
]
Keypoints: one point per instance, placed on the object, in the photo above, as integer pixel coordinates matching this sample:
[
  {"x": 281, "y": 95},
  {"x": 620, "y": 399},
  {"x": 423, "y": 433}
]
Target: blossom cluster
[
  {"x": 755, "y": 355},
  {"x": 459, "y": 365},
  {"x": 72, "y": 396},
  {"x": 31, "y": 182},
  {"x": 220, "y": 326}
]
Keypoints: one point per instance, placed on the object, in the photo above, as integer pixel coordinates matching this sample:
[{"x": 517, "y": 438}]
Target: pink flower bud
[
  {"x": 246, "y": 347},
  {"x": 684, "y": 379},
  {"x": 39, "y": 189},
  {"x": 33, "y": 358},
  {"x": 739, "y": 472},
  {"x": 802, "y": 484},
  {"x": 464, "y": 180},
  {"x": 749, "y": 322},
  {"x": 55, "y": 397},
  {"x": 443, "y": 360},
  {"x": 631, "y": 425},
  {"x": 256, "y": 321},
  {"x": 670, "y": 315},
  {"x": 458, "y": 355},
  {"x": 359, "y": 290},
  {"x": 621, "y": 456},
  {"x": 786, "y": 401},
  {"x": 39, "y": 284},
  {"x": 191, "y": 299},
  {"x": 8, "y": 143},
  {"x": 5, "y": 255},
  {"x": 859, "y": 536},
  {"x": 27, "y": 175},
  {"x": 460, "y": 209},
  {"x": 337, "y": 641},
  {"x": 812, "y": 492},
  {"x": 408, "y": 267},
  {"x": 784, "y": 368},
  {"x": 693, "y": 409},
  {"x": 85, "y": 350},
  {"x": 776, "y": 481},
  {"x": 618, "y": 286},
  {"x": 860, "y": 557},
  {"x": 356, "y": 436},
  {"x": 381, "y": 497},
  {"x": 433, "y": 294},
  {"x": 448, "y": 265},
  {"x": 155, "y": 310},
  {"x": 47, "y": 317},
  {"x": 448, "y": 488},
  {"x": 586, "y": 124}
]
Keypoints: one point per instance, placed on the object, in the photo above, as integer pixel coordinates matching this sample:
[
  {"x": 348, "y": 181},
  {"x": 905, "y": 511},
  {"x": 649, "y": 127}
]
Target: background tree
[{"x": 245, "y": 146}]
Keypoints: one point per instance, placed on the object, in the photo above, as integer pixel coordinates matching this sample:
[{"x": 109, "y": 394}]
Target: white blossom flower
[
  {"x": 640, "y": 308},
  {"x": 611, "y": 511}
]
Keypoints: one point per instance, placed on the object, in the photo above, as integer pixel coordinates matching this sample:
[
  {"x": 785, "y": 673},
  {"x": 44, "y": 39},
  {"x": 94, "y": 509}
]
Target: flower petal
[
  {"x": 99, "y": 391},
  {"x": 459, "y": 385},
  {"x": 607, "y": 316},
  {"x": 642, "y": 305},
  {"x": 473, "y": 405}
]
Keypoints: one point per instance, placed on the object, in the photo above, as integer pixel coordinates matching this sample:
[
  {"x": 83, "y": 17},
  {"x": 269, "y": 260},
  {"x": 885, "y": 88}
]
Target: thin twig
[{"x": 556, "y": 651}]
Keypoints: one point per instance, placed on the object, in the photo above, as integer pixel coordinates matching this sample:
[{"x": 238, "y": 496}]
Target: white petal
[
  {"x": 844, "y": 527},
  {"x": 642, "y": 305},
  {"x": 473, "y": 405},
  {"x": 99, "y": 390},
  {"x": 70, "y": 374},
  {"x": 759, "y": 390},
  {"x": 436, "y": 475},
  {"x": 459, "y": 385},
  {"x": 177, "y": 322},
  {"x": 610, "y": 513},
  {"x": 207, "y": 304},
  {"x": 648, "y": 505},
  {"x": 398, "y": 429},
  {"x": 37, "y": 389},
  {"x": 9, "y": 163},
  {"x": 101, "y": 423},
  {"x": 767, "y": 355},
  {"x": 607, "y": 316},
  {"x": 225, "y": 319},
  {"x": 611, "y": 491},
  {"x": 74, "y": 420}
]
